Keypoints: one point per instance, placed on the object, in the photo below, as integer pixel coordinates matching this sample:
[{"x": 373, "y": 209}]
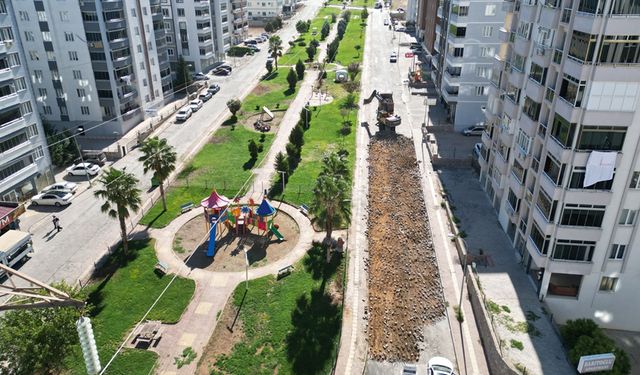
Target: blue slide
[{"x": 211, "y": 250}]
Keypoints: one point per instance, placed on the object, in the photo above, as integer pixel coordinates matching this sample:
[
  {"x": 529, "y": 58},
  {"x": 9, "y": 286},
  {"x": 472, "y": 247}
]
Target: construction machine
[{"x": 386, "y": 119}]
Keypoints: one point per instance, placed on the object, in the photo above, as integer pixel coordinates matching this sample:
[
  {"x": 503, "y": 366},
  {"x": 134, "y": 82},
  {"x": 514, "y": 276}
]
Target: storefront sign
[{"x": 596, "y": 362}]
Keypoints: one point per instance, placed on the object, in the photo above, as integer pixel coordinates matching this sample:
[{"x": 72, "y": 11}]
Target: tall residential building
[
  {"x": 426, "y": 21},
  {"x": 240, "y": 29},
  {"x": 262, "y": 11},
  {"x": 561, "y": 153},
  {"x": 411, "y": 13},
  {"x": 95, "y": 62},
  {"x": 466, "y": 41},
  {"x": 24, "y": 158}
]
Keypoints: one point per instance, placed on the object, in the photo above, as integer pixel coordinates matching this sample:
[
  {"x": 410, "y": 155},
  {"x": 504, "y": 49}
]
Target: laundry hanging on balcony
[{"x": 600, "y": 167}]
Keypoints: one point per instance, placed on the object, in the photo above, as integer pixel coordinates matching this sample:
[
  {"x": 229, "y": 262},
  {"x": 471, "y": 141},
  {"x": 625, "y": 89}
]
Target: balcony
[
  {"x": 568, "y": 267},
  {"x": 560, "y": 152},
  {"x": 528, "y": 11},
  {"x": 549, "y": 17},
  {"x": 3, "y": 48},
  {"x": 516, "y": 77},
  {"x": 504, "y": 35},
  {"x": 9, "y": 100},
  {"x": 6, "y": 74},
  {"x": 542, "y": 55},
  {"x": 528, "y": 125},
  {"x": 486, "y": 139},
  {"x": 122, "y": 62},
  {"x": 119, "y": 43},
  {"x": 510, "y": 108},
  {"x": 20, "y": 175},
  {"x": 500, "y": 163},
  {"x": 450, "y": 94},
  {"x": 547, "y": 184},
  {"x": 116, "y": 24},
  {"x": 566, "y": 110},
  {"x": 16, "y": 151},
  {"x": 576, "y": 70},
  {"x": 583, "y": 233},
  {"x": 111, "y": 5},
  {"x": 439, "y": 12},
  {"x": 521, "y": 45},
  {"x": 12, "y": 126},
  {"x": 534, "y": 90},
  {"x": 557, "y": 56}
]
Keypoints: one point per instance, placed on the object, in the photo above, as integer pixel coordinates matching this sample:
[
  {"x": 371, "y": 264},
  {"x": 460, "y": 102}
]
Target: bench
[
  {"x": 284, "y": 271},
  {"x": 186, "y": 207},
  {"x": 161, "y": 268},
  {"x": 304, "y": 209}
]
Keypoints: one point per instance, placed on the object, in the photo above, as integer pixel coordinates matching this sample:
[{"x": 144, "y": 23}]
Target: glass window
[
  {"x": 582, "y": 46},
  {"x": 581, "y": 251},
  {"x": 563, "y": 131},
  {"x": 572, "y": 90},
  {"x": 518, "y": 171},
  {"x": 539, "y": 239},
  {"x": 582, "y": 215},
  {"x": 627, "y": 217},
  {"x": 457, "y": 31},
  {"x": 617, "y": 251},
  {"x": 602, "y": 138},
  {"x": 608, "y": 284},
  {"x": 624, "y": 6},
  {"x": 620, "y": 49},
  {"x": 553, "y": 169},
  {"x": 531, "y": 108},
  {"x": 577, "y": 181},
  {"x": 513, "y": 200},
  {"x": 538, "y": 73},
  {"x": 635, "y": 180},
  {"x": 490, "y": 10},
  {"x": 546, "y": 205}
]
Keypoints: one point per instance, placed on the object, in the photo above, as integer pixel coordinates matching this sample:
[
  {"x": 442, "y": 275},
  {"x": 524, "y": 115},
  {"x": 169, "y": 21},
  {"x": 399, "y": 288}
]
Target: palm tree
[
  {"x": 121, "y": 197},
  {"x": 158, "y": 156},
  {"x": 335, "y": 166},
  {"x": 275, "y": 48}
]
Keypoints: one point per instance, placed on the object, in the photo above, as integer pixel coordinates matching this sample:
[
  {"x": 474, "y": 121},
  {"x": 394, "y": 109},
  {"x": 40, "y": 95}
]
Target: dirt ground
[
  {"x": 229, "y": 255},
  {"x": 277, "y": 117},
  {"x": 405, "y": 292}
]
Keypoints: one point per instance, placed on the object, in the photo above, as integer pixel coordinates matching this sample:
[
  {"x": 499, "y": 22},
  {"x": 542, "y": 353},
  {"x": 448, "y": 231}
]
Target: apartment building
[
  {"x": 262, "y": 11},
  {"x": 426, "y": 21},
  {"x": 466, "y": 41},
  {"x": 95, "y": 64},
  {"x": 24, "y": 157},
  {"x": 561, "y": 153}
]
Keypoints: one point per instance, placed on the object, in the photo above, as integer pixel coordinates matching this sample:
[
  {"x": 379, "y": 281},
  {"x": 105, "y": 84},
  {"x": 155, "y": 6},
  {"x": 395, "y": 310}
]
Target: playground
[{"x": 258, "y": 228}]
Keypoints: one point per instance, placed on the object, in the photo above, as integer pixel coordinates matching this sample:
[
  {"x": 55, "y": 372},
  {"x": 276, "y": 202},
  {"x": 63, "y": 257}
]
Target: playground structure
[
  {"x": 387, "y": 120},
  {"x": 261, "y": 124},
  {"x": 236, "y": 217}
]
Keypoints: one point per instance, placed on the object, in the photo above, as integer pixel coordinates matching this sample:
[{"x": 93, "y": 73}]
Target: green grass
[
  {"x": 224, "y": 164},
  {"x": 299, "y": 52},
  {"x": 355, "y": 3},
  {"x": 291, "y": 326},
  {"x": 353, "y": 36},
  {"x": 120, "y": 299},
  {"x": 275, "y": 94}
]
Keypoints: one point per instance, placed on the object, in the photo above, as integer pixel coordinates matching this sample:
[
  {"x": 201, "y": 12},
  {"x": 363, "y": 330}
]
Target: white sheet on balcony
[{"x": 600, "y": 167}]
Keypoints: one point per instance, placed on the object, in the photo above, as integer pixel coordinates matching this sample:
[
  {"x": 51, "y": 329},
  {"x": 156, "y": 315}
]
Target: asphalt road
[{"x": 87, "y": 232}]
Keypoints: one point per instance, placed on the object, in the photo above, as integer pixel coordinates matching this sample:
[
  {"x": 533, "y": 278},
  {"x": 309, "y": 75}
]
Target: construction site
[{"x": 404, "y": 287}]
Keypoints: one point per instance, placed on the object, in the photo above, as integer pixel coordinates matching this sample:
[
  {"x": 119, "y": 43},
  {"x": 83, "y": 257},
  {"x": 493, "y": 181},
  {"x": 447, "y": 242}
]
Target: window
[
  {"x": 90, "y": 16},
  {"x": 635, "y": 180},
  {"x": 457, "y": 31},
  {"x": 77, "y": 74},
  {"x": 93, "y": 37},
  {"x": 105, "y": 94},
  {"x": 490, "y": 10},
  {"x": 46, "y": 109},
  {"x": 59, "y": 93},
  {"x": 68, "y": 37},
  {"x": 23, "y": 15},
  {"x": 539, "y": 239},
  {"x": 42, "y": 92},
  {"x": 137, "y": 30},
  {"x": 617, "y": 251},
  {"x": 165, "y": 12},
  {"x": 518, "y": 171},
  {"x": 33, "y": 55},
  {"x": 487, "y": 31},
  {"x": 144, "y": 82},
  {"x": 523, "y": 141},
  {"x": 524, "y": 30},
  {"x": 582, "y": 46},
  {"x": 38, "y": 153},
  {"x": 546, "y": 206},
  {"x": 601, "y": 138},
  {"x": 572, "y": 90},
  {"x": 20, "y": 84},
  {"x": 81, "y": 93},
  {"x": 487, "y": 51},
  {"x": 513, "y": 200},
  {"x": 42, "y": 16},
  {"x": 133, "y": 12},
  {"x": 46, "y": 36},
  {"x": 28, "y": 36},
  {"x": 512, "y": 92},
  {"x": 141, "y": 65},
  {"x": 37, "y": 76},
  {"x": 482, "y": 90},
  {"x": 169, "y": 39},
  {"x": 64, "y": 111},
  {"x": 14, "y": 59},
  {"x": 563, "y": 131},
  {"x": 582, "y": 215},
  {"x": 554, "y": 170},
  {"x": 180, "y": 12},
  {"x": 575, "y": 250},
  {"x": 620, "y": 49},
  {"x": 26, "y": 108},
  {"x": 627, "y": 217},
  {"x": 483, "y": 71},
  {"x": 32, "y": 131},
  {"x": 531, "y": 108},
  {"x": 458, "y": 52},
  {"x": 577, "y": 181},
  {"x": 84, "y": 110},
  {"x": 64, "y": 16},
  {"x": 608, "y": 284},
  {"x": 144, "y": 10},
  {"x": 518, "y": 62},
  {"x": 538, "y": 73},
  {"x": 73, "y": 55},
  {"x": 170, "y": 52},
  {"x": 460, "y": 10}
]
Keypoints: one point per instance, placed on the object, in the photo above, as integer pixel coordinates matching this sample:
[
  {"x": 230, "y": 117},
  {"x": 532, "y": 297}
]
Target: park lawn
[
  {"x": 296, "y": 52},
  {"x": 120, "y": 299},
  {"x": 272, "y": 92},
  {"x": 292, "y": 325},
  {"x": 353, "y": 36},
  {"x": 223, "y": 163}
]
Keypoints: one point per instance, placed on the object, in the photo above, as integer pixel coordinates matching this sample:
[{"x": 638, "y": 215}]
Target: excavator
[{"x": 386, "y": 119}]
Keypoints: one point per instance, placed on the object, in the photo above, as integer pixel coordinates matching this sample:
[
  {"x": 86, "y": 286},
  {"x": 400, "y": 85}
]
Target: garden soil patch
[
  {"x": 277, "y": 118},
  {"x": 405, "y": 292}
]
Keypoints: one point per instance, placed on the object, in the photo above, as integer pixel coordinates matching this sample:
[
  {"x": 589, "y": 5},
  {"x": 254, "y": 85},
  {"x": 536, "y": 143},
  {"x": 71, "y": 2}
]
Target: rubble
[{"x": 405, "y": 293}]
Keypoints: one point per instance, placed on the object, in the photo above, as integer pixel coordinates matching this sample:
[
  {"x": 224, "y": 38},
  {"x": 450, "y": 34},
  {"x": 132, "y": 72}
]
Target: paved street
[{"x": 87, "y": 232}]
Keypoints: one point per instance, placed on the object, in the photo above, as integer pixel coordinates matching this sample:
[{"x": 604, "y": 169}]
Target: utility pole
[{"x": 80, "y": 131}]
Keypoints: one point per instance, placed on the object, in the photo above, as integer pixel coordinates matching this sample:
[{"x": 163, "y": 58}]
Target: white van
[{"x": 14, "y": 247}]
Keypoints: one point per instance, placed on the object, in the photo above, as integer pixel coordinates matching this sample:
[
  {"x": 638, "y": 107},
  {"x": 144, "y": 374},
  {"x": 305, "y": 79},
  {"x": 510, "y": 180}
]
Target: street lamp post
[
  {"x": 79, "y": 131},
  {"x": 464, "y": 276},
  {"x": 246, "y": 269},
  {"x": 283, "y": 174}
]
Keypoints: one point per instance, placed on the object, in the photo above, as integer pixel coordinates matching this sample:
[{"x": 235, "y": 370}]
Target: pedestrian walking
[{"x": 56, "y": 223}]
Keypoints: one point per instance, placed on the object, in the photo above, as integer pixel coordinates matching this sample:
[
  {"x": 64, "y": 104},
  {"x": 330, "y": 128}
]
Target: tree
[
  {"x": 183, "y": 77},
  {"x": 62, "y": 146},
  {"x": 357, "y": 48},
  {"x": 234, "y": 106},
  {"x": 300, "y": 69},
  {"x": 160, "y": 157},
  {"x": 278, "y": 22},
  {"x": 297, "y": 136},
  {"x": 332, "y": 49},
  {"x": 311, "y": 52},
  {"x": 588, "y": 345},
  {"x": 353, "y": 69},
  {"x": 314, "y": 42},
  {"x": 269, "y": 27},
  {"x": 281, "y": 163},
  {"x": 334, "y": 18},
  {"x": 346, "y": 16},
  {"x": 305, "y": 118},
  {"x": 253, "y": 149},
  {"x": 293, "y": 153},
  {"x": 331, "y": 203},
  {"x": 269, "y": 66},
  {"x": 302, "y": 27},
  {"x": 573, "y": 329},
  {"x": 350, "y": 102},
  {"x": 364, "y": 14},
  {"x": 121, "y": 196},
  {"x": 37, "y": 341},
  {"x": 275, "y": 48},
  {"x": 342, "y": 28},
  {"x": 292, "y": 79},
  {"x": 351, "y": 86},
  {"x": 326, "y": 29}
]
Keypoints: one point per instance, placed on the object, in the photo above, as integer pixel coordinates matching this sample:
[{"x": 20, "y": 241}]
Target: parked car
[
  {"x": 400, "y": 10},
  {"x": 473, "y": 130},
  {"x": 261, "y": 39},
  {"x": 200, "y": 77},
  {"x": 65, "y": 187},
  {"x": 253, "y": 47},
  {"x": 93, "y": 157},
  {"x": 184, "y": 113},
  {"x": 378, "y": 6},
  {"x": 249, "y": 42},
  {"x": 205, "y": 96},
  {"x": 195, "y": 105},
  {"x": 401, "y": 29},
  {"x": 393, "y": 57},
  {"x": 82, "y": 169},
  {"x": 52, "y": 199},
  {"x": 221, "y": 71},
  {"x": 214, "y": 88},
  {"x": 477, "y": 148},
  {"x": 265, "y": 34},
  {"x": 227, "y": 66},
  {"x": 439, "y": 366},
  {"x": 386, "y": 22}
]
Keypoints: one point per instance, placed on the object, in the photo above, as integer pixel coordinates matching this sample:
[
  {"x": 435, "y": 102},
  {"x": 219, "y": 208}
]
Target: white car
[
  {"x": 401, "y": 29},
  {"x": 393, "y": 57},
  {"x": 65, "y": 187},
  {"x": 83, "y": 169},
  {"x": 183, "y": 114},
  {"x": 52, "y": 199},
  {"x": 195, "y": 105},
  {"x": 439, "y": 366},
  {"x": 205, "y": 96},
  {"x": 473, "y": 130}
]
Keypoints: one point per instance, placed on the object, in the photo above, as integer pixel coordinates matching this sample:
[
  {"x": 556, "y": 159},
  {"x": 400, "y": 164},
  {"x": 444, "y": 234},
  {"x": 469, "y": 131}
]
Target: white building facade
[
  {"x": 24, "y": 157},
  {"x": 262, "y": 11},
  {"x": 561, "y": 153}
]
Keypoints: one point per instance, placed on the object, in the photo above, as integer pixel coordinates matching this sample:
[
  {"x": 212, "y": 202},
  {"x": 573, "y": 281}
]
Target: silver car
[
  {"x": 82, "y": 169},
  {"x": 65, "y": 187},
  {"x": 473, "y": 130},
  {"x": 52, "y": 199}
]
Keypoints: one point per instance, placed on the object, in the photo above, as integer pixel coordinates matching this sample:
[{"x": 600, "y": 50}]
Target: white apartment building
[
  {"x": 466, "y": 41},
  {"x": 561, "y": 153},
  {"x": 24, "y": 157},
  {"x": 95, "y": 64},
  {"x": 262, "y": 11},
  {"x": 202, "y": 32}
]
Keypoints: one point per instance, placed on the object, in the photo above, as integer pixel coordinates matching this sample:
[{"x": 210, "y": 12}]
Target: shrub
[
  {"x": 574, "y": 329},
  {"x": 238, "y": 51},
  {"x": 253, "y": 149},
  {"x": 302, "y": 43},
  {"x": 300, "y": 69},
  {"x": 297, "y": 136},
  {"x": 292, "y": 79},
  {"x": 517, "y": 344}
]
